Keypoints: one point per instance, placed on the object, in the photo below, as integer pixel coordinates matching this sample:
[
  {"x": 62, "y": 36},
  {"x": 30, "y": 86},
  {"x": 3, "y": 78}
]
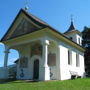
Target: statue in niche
[
  {"x": 36, "y": 50},
  {"x": 23, "y": 62}
]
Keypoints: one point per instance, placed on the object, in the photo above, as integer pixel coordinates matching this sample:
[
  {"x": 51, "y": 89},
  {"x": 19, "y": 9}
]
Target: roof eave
[{"x": 65, "y": 38}]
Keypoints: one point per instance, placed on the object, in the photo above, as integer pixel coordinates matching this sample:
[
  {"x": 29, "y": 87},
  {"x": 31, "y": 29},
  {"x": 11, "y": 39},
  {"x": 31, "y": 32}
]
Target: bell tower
[{"x": 73, "y": 34}]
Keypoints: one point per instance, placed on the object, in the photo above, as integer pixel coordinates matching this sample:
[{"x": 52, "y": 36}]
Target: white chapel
[{"x": 44, "y": 52}]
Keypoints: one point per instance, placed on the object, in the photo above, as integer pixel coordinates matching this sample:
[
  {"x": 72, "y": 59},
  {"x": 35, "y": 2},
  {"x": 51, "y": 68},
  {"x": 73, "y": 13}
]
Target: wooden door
[{"x": 36, "y": 70}]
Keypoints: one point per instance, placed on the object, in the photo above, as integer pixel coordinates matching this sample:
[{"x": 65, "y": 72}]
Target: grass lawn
[{"x": 77, "y": 84}]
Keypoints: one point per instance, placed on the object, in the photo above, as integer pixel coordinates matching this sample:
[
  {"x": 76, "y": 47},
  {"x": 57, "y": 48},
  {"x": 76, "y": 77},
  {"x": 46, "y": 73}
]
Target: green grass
[{"x": 78, "y": 84}]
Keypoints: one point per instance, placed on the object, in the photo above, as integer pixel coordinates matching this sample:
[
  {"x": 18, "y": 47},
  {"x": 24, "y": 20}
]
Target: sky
[{"x": 56, "y": 13}]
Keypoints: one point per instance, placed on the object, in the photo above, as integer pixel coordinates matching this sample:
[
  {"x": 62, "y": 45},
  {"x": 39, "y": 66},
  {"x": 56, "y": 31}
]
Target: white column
[
  {"x": 58, "y": 75},
  {"x": 6, "y": 57},
  {"x": 45, "y": 72},
  {"x": 45, "y": 53}
]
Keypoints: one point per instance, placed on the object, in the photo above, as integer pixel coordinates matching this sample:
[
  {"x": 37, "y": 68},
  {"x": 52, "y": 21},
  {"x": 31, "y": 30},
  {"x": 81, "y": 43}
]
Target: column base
[
  {"x": 44, "y": 73},
  {"x": 58, "y": 73}
]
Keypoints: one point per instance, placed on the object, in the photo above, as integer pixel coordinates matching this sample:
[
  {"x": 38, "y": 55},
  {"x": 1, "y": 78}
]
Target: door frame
[
  {"x": 36, "y": 69},
  {"x": 35, "y": 57}
]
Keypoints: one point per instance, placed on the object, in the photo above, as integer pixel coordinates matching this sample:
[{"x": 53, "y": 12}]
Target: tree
[{"x": 86, "y": 44}]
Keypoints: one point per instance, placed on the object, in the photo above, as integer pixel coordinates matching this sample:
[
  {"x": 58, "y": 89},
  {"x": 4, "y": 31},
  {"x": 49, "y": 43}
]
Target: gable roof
[
  {"x": 40, "y": 23},
  {"x": 36, "y": 20}
]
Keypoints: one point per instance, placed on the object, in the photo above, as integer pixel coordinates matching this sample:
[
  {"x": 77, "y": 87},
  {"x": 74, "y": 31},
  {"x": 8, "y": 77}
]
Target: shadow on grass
[
  {"x": 3, "y": 81},
  {"x": 17, "y": 81},
  {"x": 24, "y": 81}
]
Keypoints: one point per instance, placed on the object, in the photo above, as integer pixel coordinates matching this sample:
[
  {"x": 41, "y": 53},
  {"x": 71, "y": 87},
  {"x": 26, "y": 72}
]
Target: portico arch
[
  {"x": 35, "y": 57},
  {"x": 13, "y": 56}
]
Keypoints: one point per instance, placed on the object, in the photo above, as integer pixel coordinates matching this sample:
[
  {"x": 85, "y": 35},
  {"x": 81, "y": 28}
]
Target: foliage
[
  {"x": 77, "y": 84},
  {"x": 86, "y": 37},
  {"x": 86, "y": 44}
]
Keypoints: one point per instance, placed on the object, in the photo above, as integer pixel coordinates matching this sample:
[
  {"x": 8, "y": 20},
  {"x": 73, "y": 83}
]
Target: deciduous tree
[{"x": 86, "y": 44}]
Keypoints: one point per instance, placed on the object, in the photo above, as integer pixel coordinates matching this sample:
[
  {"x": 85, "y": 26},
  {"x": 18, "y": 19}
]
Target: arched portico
[
  {"x": 39, "y": 55},
  {"x": 6, "y": 71}
]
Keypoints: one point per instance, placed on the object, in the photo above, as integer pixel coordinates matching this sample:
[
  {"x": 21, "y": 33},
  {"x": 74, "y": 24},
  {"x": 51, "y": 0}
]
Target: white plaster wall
[
  {"x": 40, "y": 66},
  {"x": 74, "y": 68},
  {"x": 62, "y": 62},
  {"x": 62, "y": 68},
  {"x": 53, "y": 73},
  {"x": 24, "y": 51},
  {"x": 65, "y": 68},
  {"x": 44, "y": 72},
  {"x": 53, "y": 69},
  {"x": 75, "y": 38}
]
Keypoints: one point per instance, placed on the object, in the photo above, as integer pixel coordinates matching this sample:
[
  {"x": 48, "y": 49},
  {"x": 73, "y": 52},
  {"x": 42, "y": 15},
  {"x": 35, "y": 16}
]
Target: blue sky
[{"x": 55, "y": 12}]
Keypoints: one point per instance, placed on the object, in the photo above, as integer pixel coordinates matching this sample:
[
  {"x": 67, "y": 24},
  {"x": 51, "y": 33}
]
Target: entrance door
[{"x": 36, "y": 69}]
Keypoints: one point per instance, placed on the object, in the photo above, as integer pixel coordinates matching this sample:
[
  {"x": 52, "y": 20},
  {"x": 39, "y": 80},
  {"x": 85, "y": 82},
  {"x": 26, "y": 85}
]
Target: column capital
[
  {"x": 6, "y": 55},
  {"x": 45, "y": 42},
  {"x": 7, "y": 49}
]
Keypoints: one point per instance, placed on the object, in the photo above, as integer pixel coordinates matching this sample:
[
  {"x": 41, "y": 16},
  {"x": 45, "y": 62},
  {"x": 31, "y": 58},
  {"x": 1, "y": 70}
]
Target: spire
[
  {"x": 26, "y": 5},
  {"x": 72, "y": 27},
  {"x": 71, "y": 18}
]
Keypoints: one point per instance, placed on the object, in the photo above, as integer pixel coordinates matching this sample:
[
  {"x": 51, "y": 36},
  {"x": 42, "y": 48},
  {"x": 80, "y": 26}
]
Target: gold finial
[{"x": 26, "y": 5}]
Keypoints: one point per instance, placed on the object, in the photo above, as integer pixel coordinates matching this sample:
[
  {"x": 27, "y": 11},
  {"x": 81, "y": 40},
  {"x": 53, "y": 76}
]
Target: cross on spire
[
  {"x": 71, "y": 27},
  {"x": 72, "y": 18},
  {"x": 26, "y": 5}
]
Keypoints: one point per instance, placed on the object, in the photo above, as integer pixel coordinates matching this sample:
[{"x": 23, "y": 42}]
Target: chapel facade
[{"x": 44, "y": 53}]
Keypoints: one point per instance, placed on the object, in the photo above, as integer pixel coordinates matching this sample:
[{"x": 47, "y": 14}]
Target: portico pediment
[
  {"x": 23, "y": 28},
  {"x": 24, "y": 23}
]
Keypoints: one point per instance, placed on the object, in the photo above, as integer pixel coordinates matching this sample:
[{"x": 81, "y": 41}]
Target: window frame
[
  {"x": 69, "y": 57},
  {"x": 79, "y": 41},
  {"x": 77, "y": 60}
]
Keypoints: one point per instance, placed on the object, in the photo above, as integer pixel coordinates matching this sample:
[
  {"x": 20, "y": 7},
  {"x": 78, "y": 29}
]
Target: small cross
[
  {"x": 26, "y": 5},
  {"x": 71, "y": 18}
]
